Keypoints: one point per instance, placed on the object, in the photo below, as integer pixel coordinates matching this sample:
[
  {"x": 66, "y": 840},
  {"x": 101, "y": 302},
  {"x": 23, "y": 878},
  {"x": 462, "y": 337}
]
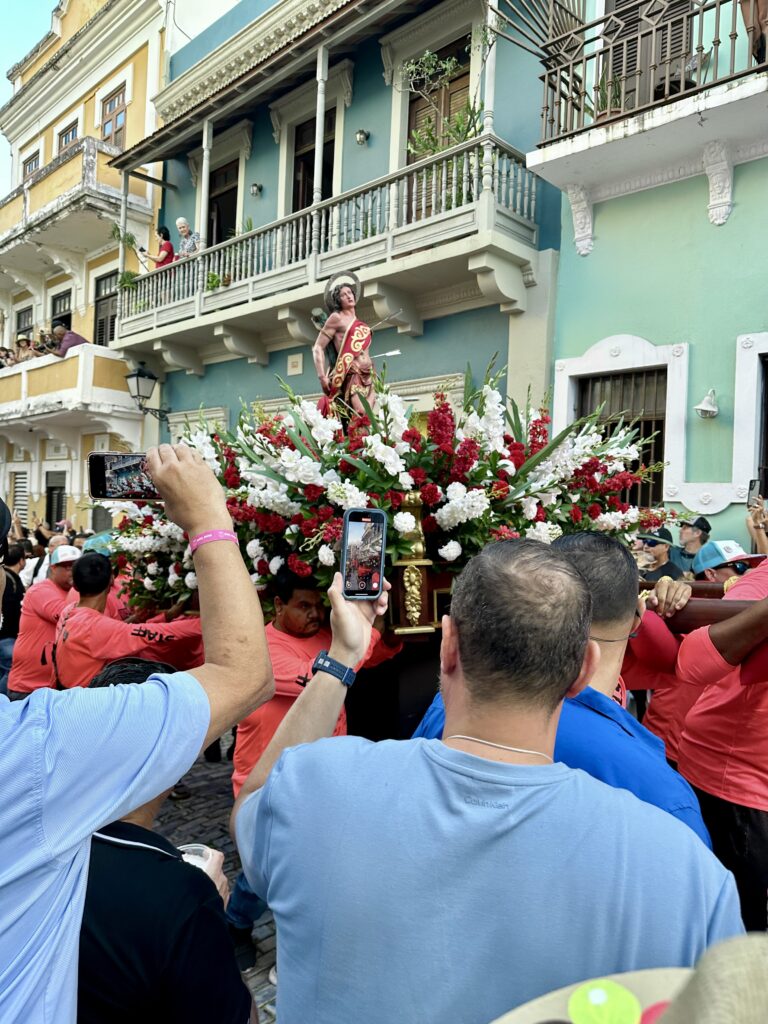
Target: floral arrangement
[{"x": 486, "y": 472}]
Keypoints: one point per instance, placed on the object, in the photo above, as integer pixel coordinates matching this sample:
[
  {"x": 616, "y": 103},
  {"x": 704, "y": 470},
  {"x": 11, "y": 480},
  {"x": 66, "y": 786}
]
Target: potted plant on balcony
[{"x": 608, "y": 95}]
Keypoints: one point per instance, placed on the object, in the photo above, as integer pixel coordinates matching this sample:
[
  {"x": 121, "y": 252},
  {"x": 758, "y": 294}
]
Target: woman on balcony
[
  {"x": 164, "y": 255},
  {"x": 24, "y": 350}
]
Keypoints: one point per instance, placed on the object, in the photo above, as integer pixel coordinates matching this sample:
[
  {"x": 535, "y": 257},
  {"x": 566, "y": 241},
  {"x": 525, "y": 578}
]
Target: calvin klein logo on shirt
[{"x": 491, "y": 804}]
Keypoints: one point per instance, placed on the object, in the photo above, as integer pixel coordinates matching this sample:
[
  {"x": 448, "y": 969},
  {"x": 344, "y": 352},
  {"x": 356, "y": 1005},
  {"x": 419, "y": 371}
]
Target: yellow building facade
[{"x": 81, "y": 96}]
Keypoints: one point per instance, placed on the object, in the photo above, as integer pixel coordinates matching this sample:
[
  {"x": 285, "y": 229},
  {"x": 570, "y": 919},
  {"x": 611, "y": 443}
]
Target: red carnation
[
  {"x": 429, "y": 524},
  {"x": 395, "y": 499},
  {"x": 517, "y": 454},
  {"x": 262, "y": 567},
  {"x": 412, "y": 437},
  {"x": 418, "y": 475},
  {"x": 430, "y": 494},
  {"x": 312, "y": 492},
  {"x": 297, "y": 519},
  {"x": 309, "y": 526},
  {"x": 346, "y": 467},
  {"x": 324, "y": 513},
  {"x": 148, "y": 521},
  {"x": 332, "y": 530},
  {"x": 298, "y": 566},
  {"x": 576, "y": 514},
  {"x": 121, "y": 561},
  {"x": 593, "y": 510},
  {"x": 499, "y": 490},
  {"x": 231, "y": 476}
]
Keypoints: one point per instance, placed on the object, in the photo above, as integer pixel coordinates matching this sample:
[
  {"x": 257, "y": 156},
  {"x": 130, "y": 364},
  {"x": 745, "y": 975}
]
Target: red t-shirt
[
  {"x": 724, "y": 745},
  {"x": 292, "y": 658},
  {"x": 87, "y": 640},
  {"x": 649, "y": 664},
  {"x": 167, "y": 249},
  {"x": 31, "y": 667},
  {"x": 117, "y": 606}
]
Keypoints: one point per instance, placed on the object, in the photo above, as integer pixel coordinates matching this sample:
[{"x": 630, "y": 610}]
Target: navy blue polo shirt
[{"x": 604, "y": 740}]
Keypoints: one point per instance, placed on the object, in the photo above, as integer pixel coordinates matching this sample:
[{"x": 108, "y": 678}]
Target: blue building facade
[{"x": 286, "y": 146}]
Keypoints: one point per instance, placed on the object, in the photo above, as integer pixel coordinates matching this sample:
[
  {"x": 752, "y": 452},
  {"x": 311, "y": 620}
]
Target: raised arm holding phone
[{"x": 76, "y": 761}]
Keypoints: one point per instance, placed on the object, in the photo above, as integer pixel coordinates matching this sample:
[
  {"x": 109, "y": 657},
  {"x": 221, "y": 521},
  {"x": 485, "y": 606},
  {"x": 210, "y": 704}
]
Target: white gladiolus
[
  {"x": 346, "y": 495},
  {"x": 450, "y": 551},
  {"x": 190, "y": 581},
  {"x": 323, "y": 429},
  {"x": 325, "y": 555},
  {"x": 530, "y": 507},
  {"x": 201, "y": 441},
  {"x": 404, "y": 522},
  {"x": 275, "y": 565},
  {"x": 383, "y": 454}
]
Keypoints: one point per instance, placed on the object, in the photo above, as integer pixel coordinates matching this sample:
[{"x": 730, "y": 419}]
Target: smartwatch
[{"x": 323, "y": 663}]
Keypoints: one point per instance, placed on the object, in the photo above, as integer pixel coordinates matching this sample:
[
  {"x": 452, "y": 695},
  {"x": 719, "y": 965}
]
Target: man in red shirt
[
  {"x": 87, "y": 639},
  {"x": 43, "y": 604},
  {"x": 724, "y": 745},
  {"x": 294, "y": 638}
]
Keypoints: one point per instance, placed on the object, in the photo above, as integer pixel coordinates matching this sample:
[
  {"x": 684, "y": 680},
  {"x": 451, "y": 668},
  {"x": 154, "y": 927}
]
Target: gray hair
[{"x": 182, "y": 220}]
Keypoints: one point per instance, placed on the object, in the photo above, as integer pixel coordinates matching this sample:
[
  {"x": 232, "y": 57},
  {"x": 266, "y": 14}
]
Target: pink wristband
[{"x": 211, "y": 535}]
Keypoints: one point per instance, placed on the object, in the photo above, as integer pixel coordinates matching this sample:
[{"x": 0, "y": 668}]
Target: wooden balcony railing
[
  {"x": 378, "y": 219},
  {"x": 645, "y": 54}
]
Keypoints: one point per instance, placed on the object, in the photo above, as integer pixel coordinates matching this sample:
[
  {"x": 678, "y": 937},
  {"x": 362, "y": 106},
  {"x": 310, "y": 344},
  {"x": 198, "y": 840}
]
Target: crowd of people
[
  {"x": 533, "y": 833},
  {"x": 56, "y": 343}
]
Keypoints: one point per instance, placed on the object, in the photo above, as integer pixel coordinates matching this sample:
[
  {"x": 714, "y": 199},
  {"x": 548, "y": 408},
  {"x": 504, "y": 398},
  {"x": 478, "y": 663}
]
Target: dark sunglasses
[
  {"x": 652, "y": 543},
  {"x": 738, "y": 567}
]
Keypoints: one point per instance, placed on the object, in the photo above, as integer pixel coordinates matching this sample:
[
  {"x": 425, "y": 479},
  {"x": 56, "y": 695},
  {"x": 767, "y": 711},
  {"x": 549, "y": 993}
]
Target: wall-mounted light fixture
[
  {"x": 141, "y": 385},
  {"x": 362, "y": 136},
  {"x": 256, "y": 189},
  {"x": 707, "y": 407}
]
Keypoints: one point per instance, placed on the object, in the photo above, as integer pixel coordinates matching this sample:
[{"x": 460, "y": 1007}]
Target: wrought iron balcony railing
[{"x": 644, "y": 54}]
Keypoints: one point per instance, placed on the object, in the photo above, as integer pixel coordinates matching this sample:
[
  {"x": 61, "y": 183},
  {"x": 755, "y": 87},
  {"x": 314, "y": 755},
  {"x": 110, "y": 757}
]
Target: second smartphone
[{"x": 363, "y": 547}]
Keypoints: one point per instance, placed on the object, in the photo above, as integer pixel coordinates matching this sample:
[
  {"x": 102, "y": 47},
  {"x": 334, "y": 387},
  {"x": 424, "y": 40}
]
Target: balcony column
[
  {"x": 124, "y": 185},
  {"x": 205, "y": 188},
  {"x": 489, "y": 98},
  {"x": 317, "y": 180}
]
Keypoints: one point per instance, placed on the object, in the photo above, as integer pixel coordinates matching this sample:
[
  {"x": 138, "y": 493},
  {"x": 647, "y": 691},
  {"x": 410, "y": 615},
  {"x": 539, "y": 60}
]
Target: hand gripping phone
[{"x": 363, "y": 546}]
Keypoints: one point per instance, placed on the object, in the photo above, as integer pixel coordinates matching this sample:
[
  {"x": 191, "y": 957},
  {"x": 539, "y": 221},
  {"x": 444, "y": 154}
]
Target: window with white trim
[
  {"x": 30, "y": 165},
  {"x": 67, "y": 136}
]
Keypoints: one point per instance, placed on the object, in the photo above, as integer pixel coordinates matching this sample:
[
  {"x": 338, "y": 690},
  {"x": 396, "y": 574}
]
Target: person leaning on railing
[{"x": 189, "y": 244}]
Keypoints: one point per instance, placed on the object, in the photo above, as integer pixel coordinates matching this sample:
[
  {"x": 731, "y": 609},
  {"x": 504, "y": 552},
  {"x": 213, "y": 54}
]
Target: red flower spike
[{"x": 298, "y": 566}]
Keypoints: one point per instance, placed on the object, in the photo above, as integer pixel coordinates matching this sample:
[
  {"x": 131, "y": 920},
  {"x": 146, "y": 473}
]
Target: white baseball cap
[{"x": 65, "y": 553}]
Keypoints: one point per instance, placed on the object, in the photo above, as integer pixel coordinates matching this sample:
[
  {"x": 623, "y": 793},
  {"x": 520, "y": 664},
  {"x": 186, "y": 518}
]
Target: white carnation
[
  {"x": 346, "y": 495},
  {"x": 404, "y": 522},
  {"x": 275, "y": 564},
  {"x": 545, "y": 532},
  {"x": 149, "y": 584},
  {"x": 325, "y": 555},
  {"x": 406, "y": 481},
  {"x": 455, "y": 491},
  {"x": 190, "y": 581},
  {"x": 173, "y": 579},
  {"x": 450, "y": 551},
  {"x": 254, "y": 550},
  {"x": 153, "y": 569}
]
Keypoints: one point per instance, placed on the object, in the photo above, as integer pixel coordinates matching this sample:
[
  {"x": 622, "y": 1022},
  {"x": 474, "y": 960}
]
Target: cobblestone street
[{"x": 204, "y": 818}]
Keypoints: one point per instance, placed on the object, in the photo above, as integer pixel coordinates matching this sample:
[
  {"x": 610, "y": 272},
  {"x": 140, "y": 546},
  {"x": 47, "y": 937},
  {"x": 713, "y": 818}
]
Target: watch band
[{"x": 324, "y": 663}]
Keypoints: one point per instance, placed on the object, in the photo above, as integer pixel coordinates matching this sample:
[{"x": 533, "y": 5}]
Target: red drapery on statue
[{"x": 353, "y": 373}]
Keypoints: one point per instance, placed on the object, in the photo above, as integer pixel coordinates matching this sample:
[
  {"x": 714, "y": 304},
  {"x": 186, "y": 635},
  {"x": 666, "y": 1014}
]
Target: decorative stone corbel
[
  {"x": 388, "y": 60},
  {"x": 719, "y": 170},
  {"x": 277, "y": 125},
  {"x": 396, "y": 307},
  {"x": 178, "y": 358},
  {"x": 500, "y": 280},
  {"x": 194, "y": 170},
  {"x": 345, "y": 72},
  {"x": 298, "y": 325},
  {"x": 581, "y": 210},
  {"x": 242, "y": 343}
]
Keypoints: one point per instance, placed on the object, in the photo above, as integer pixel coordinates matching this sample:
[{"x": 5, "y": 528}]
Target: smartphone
[
  {"x": 116, "y": 476},
  {"x": 363, "y": 545},
  {"x": 753, "y": 492}
]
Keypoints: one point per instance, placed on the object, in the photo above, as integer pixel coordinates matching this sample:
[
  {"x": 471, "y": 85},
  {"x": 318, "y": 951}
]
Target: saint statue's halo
[{"x": 348, "y": 277}]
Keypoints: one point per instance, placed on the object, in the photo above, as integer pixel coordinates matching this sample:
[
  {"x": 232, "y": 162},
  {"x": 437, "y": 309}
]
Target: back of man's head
[
  {"x": 285, "y": 582},
  {"x": 92, "y": 574},
  {"x": 610, "y": 571},
  {"x": 522, "y": 613},
  {"x": 129, "y": 670},
  {"x": 15, "y": 555}
]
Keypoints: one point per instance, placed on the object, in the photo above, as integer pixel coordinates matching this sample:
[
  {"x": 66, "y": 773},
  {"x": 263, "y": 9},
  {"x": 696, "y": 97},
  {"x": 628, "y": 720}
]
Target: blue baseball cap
[{"x": 722, "y": 552}]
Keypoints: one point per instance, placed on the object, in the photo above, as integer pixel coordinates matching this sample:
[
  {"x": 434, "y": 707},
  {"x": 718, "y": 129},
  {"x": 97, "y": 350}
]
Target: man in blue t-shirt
[
  {"x": 595, "y": 733},
  {"x": 425, "y": 881}
]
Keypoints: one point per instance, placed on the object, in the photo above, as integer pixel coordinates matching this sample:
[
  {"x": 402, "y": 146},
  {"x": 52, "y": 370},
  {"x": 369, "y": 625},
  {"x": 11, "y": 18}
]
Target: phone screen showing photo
[
  {"x": 364, "y": 545},
  {"x": 118, "y": 476}
]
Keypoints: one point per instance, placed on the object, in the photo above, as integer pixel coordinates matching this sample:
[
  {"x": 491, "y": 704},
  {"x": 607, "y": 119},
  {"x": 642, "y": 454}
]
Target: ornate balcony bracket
[
  {"x": 396, "y": 307},
  {"x": 719, "y": 171},
  {"x": 242, "y": 343},
  {"x": 581, "y": 210},
  {"x": 298, "y": 325},
  {"x": 178, "y": 358},
  {"x": 500, "y": 280}
]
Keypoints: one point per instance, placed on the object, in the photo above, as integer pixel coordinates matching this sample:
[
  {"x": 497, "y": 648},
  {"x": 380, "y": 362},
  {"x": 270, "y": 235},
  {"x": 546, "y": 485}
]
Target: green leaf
[
  {"x": 370, "y": 414},
  {"x": 513, "y": 418},
  {"x": 530, "y": 464},
  {"x": 364, "y": 468}
]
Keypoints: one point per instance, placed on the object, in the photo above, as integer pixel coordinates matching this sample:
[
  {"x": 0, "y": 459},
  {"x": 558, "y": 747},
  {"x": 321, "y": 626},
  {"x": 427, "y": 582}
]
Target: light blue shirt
[
  {"x": 71, "y": 762},
  {"x": 415, "y": 883}
]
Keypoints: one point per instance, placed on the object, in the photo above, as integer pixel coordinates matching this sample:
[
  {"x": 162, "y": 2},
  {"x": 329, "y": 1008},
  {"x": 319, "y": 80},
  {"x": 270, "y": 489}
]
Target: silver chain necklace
[{"x": 500, "y": 746}]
